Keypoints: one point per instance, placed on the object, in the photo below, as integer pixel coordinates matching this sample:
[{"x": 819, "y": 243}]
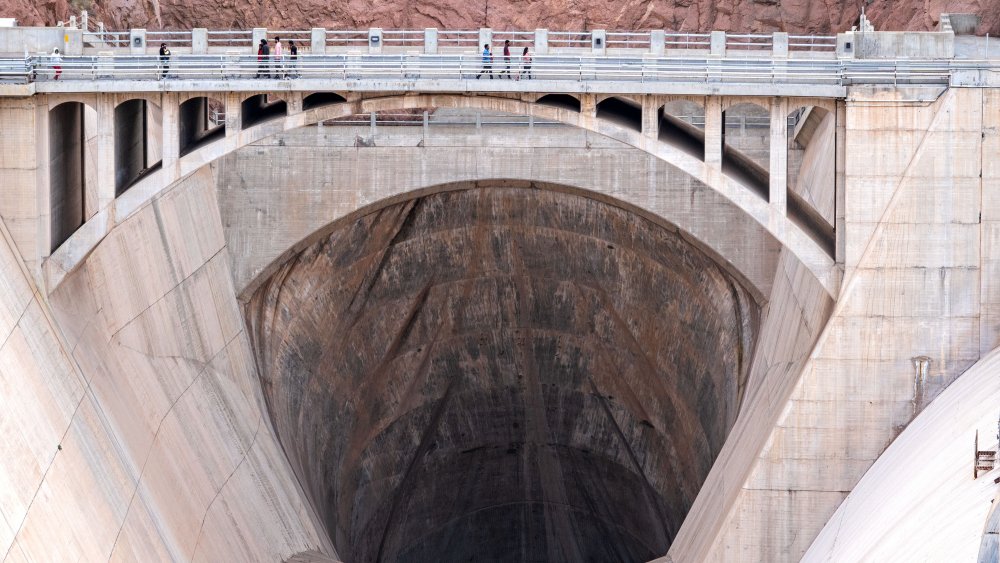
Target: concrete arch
[
  {"x": 67, "y": 154},
  {"x": 789, "y": 234},
  {"x": 195, "y": 126}
]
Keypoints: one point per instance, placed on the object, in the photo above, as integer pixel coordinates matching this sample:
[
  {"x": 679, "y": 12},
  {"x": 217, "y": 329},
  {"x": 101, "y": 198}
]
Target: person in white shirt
[
  {"x": 279, "y": 65},
  {"x": 56, "y": 59}
]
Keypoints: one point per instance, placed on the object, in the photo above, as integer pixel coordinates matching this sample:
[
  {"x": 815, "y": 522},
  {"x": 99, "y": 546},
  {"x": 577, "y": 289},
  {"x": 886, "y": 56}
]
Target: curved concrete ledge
[
  {"x": 811, "y": 254},
  {"x": 919, "y": 502}
]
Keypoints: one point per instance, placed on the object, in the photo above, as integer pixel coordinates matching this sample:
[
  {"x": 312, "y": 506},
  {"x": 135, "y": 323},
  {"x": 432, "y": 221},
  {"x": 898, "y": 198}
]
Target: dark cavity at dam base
[{"x": 502, "y": 374}]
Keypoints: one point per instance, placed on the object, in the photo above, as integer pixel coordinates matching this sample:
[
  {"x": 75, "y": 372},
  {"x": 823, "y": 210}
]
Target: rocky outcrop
[{"x": 795, "y": 16}]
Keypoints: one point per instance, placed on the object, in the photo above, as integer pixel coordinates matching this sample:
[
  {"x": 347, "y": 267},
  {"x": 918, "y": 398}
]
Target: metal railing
[
  {"x": 749, "y": 42},
  {"x": 414, "y": 67},
  {"x": 107, "y": 39},
  {"x": 687, "y": 40},
  {"x": 232, "y": 38},
  {"x": 812, "y": 43},
  {"x": 627, "y": 40},
  {"x": 402, "y": 38},
  {"x": 459, "y": 40},
  {"x": 348, "y": 38},
  {"x": 572, "y": 39},
  {"x": 169, "y": 38}
]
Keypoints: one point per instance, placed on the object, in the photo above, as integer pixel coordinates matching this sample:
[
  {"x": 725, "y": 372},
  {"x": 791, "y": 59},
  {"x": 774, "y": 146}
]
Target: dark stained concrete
[{"x": 502, "y": 374}]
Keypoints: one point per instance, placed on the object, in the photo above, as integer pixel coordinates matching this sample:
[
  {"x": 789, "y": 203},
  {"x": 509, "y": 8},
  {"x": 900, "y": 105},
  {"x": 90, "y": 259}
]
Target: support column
[
  {"x": 778, "y": 169},
  {"x": 170, "y": 124},
  {"x": 105, "y": 150},
  {"x": 233, "y": 118},
  {"x": 588, "y": 105},
  {"x": 713, "y": 132},
  {"x": 293, "y": 101},
  {"x": 840, "y": 185},
  {"x": 650, "y": 116}
]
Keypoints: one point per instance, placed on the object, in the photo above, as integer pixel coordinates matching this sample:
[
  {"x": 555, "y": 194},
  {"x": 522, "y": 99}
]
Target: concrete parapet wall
[
  {"x": 19, "y": 40},
  {"x": 908, "y": 45}
]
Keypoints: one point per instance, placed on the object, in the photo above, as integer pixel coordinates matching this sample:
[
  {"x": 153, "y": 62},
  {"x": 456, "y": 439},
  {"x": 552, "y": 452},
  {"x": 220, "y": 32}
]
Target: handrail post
[
  {"x": 657, "y": 42},
  {"x": 375, "y": 40},
  {"x": 779, "y": 45},
  {"x": 717, "y": 44},
  {"x": 137, "y": 42},
  {"x": 199, "y": 41},
  {"x": 599, "y": 41},
  {"x": 485, "y": 38},
  {"x": 317, "y": 41},
  {"x": 257, "y": 34},
  {"x": 430, "y": 41},
  {"x": 541, "y": 41}
]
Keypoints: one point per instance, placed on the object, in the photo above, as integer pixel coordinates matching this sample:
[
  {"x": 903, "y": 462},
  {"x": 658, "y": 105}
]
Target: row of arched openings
[{"x": 201, "y": 120}]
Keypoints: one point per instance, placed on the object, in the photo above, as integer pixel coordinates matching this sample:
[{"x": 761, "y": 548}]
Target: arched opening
[
  {"x": 71, "y": 171},
  {"x": 447, "y": 390},
  {"x": 561, "y": 101},
  {"x": 260, "y": 108},
  {"x": 621, "y": 111},
  {"x": 201, "y": 120},
  {"x": 320, "y": 99},
  {"x": 746, "y": 145},
  {"x": 811, "y": 169},
  {"x": 138, "y": 142},
  {"x": 682, "y": 124}
]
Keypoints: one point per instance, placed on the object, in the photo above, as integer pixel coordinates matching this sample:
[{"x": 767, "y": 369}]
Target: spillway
[{"x": 502, "y": 373}]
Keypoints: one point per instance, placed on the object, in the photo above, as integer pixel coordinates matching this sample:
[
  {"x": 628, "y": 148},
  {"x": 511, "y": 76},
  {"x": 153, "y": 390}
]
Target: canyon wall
[{"x": 793, "y": 16}]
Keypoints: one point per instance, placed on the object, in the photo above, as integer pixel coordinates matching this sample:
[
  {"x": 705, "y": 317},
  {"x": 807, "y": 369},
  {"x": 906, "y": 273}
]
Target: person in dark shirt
[
  {"x": 263, "y": 60},
  {"x": 164, "y": 60},
  {"x": 293, "y": 55},
  {"x": 506, "y": 57}
]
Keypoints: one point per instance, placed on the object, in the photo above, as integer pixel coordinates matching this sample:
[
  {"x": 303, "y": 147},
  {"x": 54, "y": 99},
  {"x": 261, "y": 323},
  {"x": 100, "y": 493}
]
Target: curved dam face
[{"x": 502, "y": 373}]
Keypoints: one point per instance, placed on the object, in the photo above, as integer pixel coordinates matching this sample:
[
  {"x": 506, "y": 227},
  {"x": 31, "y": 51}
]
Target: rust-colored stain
[{"x": 502, "y": 374}]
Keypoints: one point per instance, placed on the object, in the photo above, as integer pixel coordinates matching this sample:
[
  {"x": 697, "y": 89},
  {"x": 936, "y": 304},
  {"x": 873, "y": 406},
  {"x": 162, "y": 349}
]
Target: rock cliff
[{"x": 795, "y": 16}]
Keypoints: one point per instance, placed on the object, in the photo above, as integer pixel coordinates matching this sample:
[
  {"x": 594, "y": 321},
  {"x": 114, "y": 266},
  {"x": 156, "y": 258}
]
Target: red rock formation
[{"x": 795, "y": 16}]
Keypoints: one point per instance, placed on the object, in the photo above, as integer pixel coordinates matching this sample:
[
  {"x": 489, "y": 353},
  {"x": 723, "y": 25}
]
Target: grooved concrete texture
[
  {"x": 502, "y": 373},
  {"x": 133, "y": 422}
]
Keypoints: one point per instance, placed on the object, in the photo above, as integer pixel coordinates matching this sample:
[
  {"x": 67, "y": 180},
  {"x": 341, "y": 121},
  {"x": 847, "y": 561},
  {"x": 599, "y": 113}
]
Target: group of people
[
  {"x": 272, "y": 63},
  {"x": 269, "y": 60},
  {"x": 523, "y": 70}
]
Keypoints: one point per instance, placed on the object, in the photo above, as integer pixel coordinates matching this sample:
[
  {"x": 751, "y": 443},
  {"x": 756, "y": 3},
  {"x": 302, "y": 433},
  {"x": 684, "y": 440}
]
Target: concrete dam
[{"x": 654, "y": 303}]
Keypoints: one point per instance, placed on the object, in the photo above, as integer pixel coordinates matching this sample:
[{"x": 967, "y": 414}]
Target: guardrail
[
  {"x": 470, "y": 67},
  {"x": 812, "y": 43},
  {"x": 231, "y": 38}
]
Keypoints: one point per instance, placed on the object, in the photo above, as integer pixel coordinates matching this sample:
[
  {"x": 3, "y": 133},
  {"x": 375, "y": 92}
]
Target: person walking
[
  {"x": 56, "y": 60},
  {"x": 487, "y": 63},
  {"x": 525, "y": 64},
  {"x": 279, "y": 62},
  {"x": 263, "y": 54},
  {"x": 293, "y": 51},
  {"x": 164, "y": 60},
  {"x": 506, "y": 58}
]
